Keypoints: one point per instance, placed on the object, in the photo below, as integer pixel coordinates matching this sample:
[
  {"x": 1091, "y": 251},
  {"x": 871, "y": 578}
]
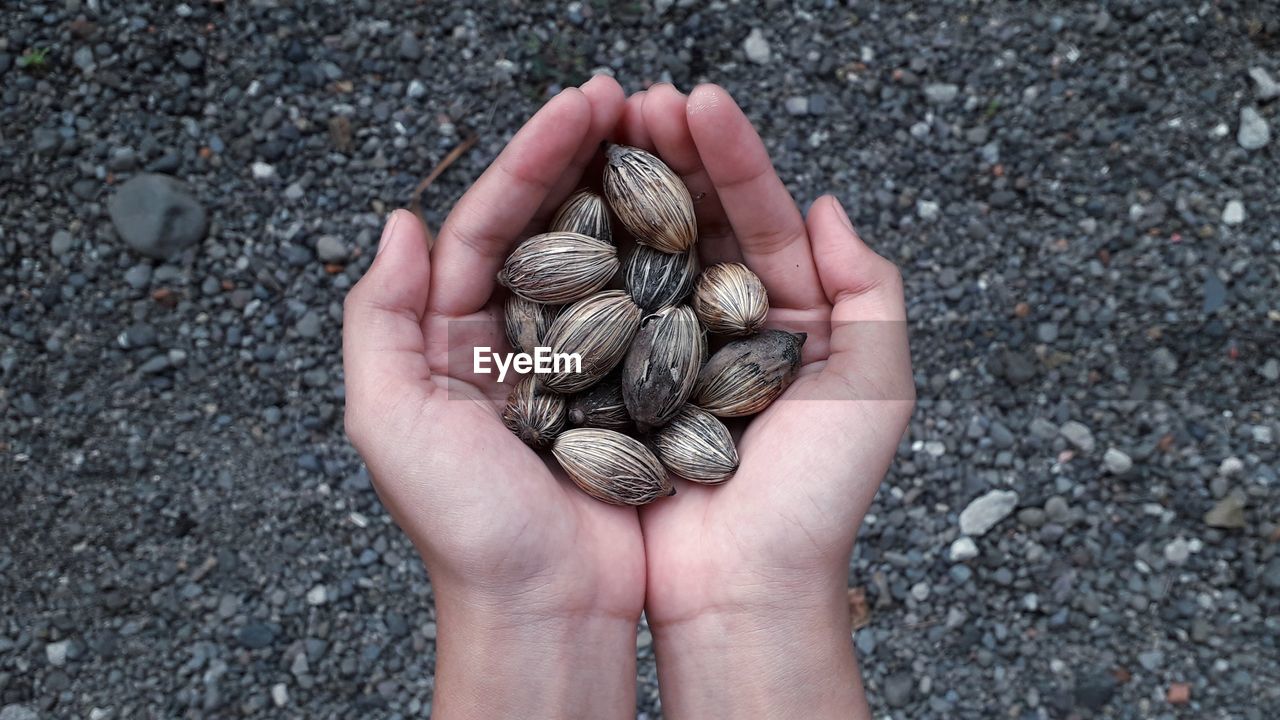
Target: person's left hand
[{"x": 747, "y": 580}]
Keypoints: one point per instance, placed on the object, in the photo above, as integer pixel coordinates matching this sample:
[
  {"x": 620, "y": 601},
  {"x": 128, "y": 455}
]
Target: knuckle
[{"x": 771, "y": 242}]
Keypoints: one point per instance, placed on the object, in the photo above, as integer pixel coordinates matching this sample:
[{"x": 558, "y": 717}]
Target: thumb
[
  {"x": 869, "y": 349},
  {"x": 383, "y": 349}
]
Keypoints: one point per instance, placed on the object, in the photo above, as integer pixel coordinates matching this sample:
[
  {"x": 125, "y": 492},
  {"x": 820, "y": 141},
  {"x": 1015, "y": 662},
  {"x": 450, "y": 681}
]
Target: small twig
[{"x": 415, "y": 200}]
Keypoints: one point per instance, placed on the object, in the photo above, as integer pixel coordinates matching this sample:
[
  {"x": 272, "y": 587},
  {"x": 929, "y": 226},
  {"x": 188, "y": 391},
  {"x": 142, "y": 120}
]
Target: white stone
[
  {"x": 1177, "y": 551},
  {"x": 56, "y": 653},
  {"x": 1254, "y": 132},
  {"x": 18, "y": 712},
  {"x": 1262, "y": 434},
  {"x": 756, "y": 47},
  {"x": 941, "y": 93},
  {"x": 263, "y": 171},
  {"x": 280, "y": 694},
  {"x": 1117, "y": 462},
  {"x": 920, "y": 591},
  {"x": 1077, "y": 434},
  {"x": 927, "y": 210},
  {"x": 1270, "y": 369},
  {"x": 1233, "y": 213},
  {"x": 1231, "y": 466},
  {"x": 984, "y": 512},
  {"x": 317, "y": 595},
  {"x": 1267, "y": 88},
  {"x": 963, "y": 548},
  {"x": 300, "y": 665},
  {"x": 330, "y": 249},
  {"x": 416, "y": 89}
]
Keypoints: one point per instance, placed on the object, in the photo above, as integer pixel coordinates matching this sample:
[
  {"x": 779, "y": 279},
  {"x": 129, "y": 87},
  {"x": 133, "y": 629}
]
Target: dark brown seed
[
  {"x": 696, "y": 446},
  {"x": 601, "y": 406},
  {"x": 599, "y": 330},
  {"x": 612, "y": 467},
  {"x": 657, "y": 279},
  {"x": 745, "y": 375},
  {"x": 662, "y": 365},
  {"x": 559, "y": 267},
  {"x": 649, "y": 199},
  {"x": 534, "y": 415},
  {"x": 527, "y": 322},
  {"x": 584, "y": 213},
  {"x": 730, "y": 300}
]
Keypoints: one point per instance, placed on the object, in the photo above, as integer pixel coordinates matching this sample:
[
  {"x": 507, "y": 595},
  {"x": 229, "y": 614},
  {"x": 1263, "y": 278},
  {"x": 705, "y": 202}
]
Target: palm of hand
[
  {"x": 810, "y": 466},
  {"x": 811, "y": 463},
  {"x": 506, "y": 510},
  {"x": 494, "y": 523}
]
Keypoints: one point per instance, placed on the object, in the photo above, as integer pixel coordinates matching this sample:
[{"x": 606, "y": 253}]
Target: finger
[
  {"x": 869, "y": 347},
  {"x": 383, "y": 356},
  {"x": 492, "y": 214},
  {"x": 607, "y": 103},
  {"x": 769, "y": 227},
  {"x": 668, "y": 127},
  {"x": 631, "y": 130}
]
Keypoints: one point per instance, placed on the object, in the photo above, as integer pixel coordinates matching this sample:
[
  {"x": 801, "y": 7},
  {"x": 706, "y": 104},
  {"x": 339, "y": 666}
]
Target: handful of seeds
[{"x": 644, "y": 400}]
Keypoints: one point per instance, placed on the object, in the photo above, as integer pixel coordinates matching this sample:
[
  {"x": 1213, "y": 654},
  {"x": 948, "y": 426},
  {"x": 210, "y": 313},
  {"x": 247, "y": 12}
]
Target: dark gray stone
[
  {"x": 256, "y": 636},
  {"x": 898, "y": 689},
  {"x": 157, "y": 216}
]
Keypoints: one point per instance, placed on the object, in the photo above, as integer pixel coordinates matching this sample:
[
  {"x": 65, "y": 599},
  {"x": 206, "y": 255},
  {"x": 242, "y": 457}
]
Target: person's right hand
[
  {"x": 747, "y": 581},
  {"x": 538, "y": 587}
]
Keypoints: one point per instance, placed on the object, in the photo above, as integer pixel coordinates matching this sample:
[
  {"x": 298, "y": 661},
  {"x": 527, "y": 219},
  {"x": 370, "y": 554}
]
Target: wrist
[
  {"x": 761, "y": 658},
  {"x": 528, "y": 661}
]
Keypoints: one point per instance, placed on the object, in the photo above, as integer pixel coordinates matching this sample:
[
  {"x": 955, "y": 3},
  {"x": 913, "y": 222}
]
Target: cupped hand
[
  {"x": 515, "y": 552},
  {"x": 752, "y": 567}
]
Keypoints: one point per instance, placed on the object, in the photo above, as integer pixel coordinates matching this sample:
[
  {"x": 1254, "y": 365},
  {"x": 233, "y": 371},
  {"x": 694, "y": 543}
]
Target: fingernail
[
  {"x": 844, "y": 216},
  {"x": 386, "y": 230}
]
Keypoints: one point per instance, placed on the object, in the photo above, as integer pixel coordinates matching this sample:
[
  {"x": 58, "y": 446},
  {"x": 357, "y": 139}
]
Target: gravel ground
[{"x": 1082, "y": 198}]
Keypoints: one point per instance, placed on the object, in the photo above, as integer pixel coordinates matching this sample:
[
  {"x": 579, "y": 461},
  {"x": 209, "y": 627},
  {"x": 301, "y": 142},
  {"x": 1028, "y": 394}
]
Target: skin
[{"x": 743, "y": 584}]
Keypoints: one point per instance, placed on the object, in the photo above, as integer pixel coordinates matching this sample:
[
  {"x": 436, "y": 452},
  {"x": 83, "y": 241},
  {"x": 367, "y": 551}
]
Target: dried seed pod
[
  {"x": 662, "y": 365},
  {"x": 649, "y": 199},
  {"x": 584, "y": 213},
  {"x": 534, "y": 415},
  {"x": 745, "y": 375},
  {"x": 601, "y": 406},
  {"x": 527, "y": 322},
  {"x": 657, "y": 279},
  {"x": 612, "y": 467},
  {"x": 730, "y": 299},
  {"x": 599, "y": 330},
  {"x": 696, "y": 446},
  {"x": 559, "y": 267}
]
